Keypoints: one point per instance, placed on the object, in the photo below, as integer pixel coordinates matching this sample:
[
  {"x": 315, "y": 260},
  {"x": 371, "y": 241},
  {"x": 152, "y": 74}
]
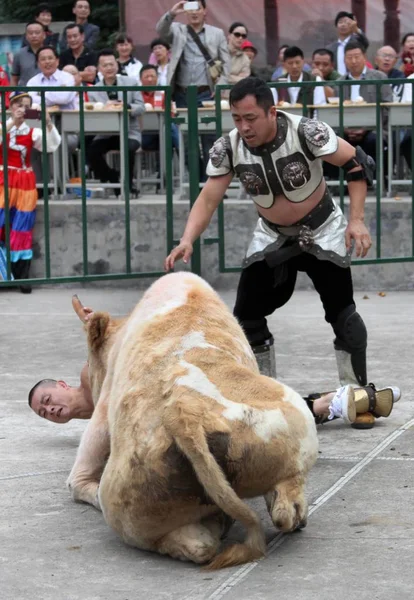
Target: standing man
[
  {"x": 293, "y": 63},
  {"x": 385, "y": 61},
  {"x": 24, "y": 62},
  {"x": 82, "y": 10},
  {"x": 278, "y": 158},
  {"x": 188, "y": 64},
  {"x": 102, "y": 144},
  {"x": 77, "y": 54},
  {"x": 347, "y": 29}
]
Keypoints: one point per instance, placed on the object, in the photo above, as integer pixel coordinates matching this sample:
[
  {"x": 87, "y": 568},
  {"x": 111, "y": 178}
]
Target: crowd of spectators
[{"x": 199, "y": 54}]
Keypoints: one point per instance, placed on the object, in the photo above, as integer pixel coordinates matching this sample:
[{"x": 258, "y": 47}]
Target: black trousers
[
  {"x": 262, "y": 290},
  {"x": 96, "y": 158}
]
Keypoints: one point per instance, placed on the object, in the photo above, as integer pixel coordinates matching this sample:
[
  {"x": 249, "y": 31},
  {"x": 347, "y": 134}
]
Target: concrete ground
[{"x": 359, "y": 542}]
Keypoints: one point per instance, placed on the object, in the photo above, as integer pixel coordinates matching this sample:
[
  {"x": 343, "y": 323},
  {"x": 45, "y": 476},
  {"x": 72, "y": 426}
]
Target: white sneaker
[{"x": 343, "y": 404}]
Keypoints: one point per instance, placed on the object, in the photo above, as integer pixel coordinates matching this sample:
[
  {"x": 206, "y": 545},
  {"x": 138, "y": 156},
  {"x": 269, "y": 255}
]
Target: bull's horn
[{"x": 78, "y": 308}]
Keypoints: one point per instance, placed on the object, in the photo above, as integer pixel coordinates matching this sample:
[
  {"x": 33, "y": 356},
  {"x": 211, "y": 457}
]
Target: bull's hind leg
[
  {"x": 287, "y": 504},
  {"x": 197, "y": 543}
]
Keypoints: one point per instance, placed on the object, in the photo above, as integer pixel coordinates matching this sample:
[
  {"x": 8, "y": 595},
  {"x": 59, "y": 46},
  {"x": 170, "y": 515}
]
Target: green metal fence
[{"x": 193, "y": 119}]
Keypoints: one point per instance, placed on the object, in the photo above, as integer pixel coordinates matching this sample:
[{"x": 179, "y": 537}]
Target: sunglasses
[{"x": 240, "y": 35}]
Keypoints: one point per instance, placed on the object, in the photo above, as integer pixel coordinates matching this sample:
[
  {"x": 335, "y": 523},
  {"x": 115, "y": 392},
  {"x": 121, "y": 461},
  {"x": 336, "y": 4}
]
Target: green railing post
[
  {"x": 220, "y": 212},
  {"x": 45, "y": 176},
  {"x": 341, "y": 133},
  {"x": 125, "y": 174},
  {"x": 169, "y": 184},
  {"x": 411, "y": 82},
  {"x": 193, "y": 166},
  {"x": 379, "y": 166},
  {"x": 5, "y": 184},
  {"x": 83, "y": 184}
]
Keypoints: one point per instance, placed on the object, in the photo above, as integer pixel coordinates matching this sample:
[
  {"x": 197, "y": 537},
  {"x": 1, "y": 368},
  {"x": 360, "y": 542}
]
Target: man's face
[
  {"x": 45, "y": 18},
  {"x": 74, "y": 72},
  {"x": 355, "y": 61},
  {"x": 160, "y": 53},
  {"x": 53, "y": 402},
  {"x": 196, "y": 18},
  {"x": 149, "y": 77},
  {"x": 124, "y": 48},
  {"x": 75, "y": 38},
  {"x": 294, "y": 66},
  {"x": 108, "y": 66},
  {"x": 323, "y": 63},
  {"x": 386, "y": 59},
  {"x": 48, "y": 63},
  {"x": 345, "y": 26},
  {"x": 35, "y": 34},
  {"x": 90, "y": 73},
  {"x": 82, "y": 9},
  {"x": 409, "y": 44},
  {"x": 253, "y": 124}
]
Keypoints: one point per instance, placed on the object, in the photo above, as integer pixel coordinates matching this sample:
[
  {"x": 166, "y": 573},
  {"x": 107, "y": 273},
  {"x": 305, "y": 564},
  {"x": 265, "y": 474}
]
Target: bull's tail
[{"x": 192, "y": 441}]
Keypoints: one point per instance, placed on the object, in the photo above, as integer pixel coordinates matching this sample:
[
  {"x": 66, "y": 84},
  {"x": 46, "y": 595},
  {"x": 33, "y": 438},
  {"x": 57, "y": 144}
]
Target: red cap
[{"x": 248, "y": 44}]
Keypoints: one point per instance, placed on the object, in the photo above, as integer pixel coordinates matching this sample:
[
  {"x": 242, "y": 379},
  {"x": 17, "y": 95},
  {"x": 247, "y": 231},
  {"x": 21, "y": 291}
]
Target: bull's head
[{"x": 100, "y": 330}]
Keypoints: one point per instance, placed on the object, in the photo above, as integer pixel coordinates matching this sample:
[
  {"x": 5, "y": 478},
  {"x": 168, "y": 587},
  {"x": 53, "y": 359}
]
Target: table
[{"x": 399, "y": 115}]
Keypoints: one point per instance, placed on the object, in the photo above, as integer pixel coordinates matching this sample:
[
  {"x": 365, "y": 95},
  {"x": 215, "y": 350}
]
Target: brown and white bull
[{"x": 184, "y": 426}]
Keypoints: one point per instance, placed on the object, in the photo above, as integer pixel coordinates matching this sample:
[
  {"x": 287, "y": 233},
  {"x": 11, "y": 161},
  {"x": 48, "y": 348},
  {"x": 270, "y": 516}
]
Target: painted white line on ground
[
  {"x": 243, "y": 571},
  {"x": 34, "y": 474}
]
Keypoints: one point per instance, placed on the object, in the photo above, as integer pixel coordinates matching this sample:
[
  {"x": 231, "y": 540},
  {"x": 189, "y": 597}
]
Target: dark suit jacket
[
  {"x": 283, "y": 94},
  {"x": 360, "y": 37}
]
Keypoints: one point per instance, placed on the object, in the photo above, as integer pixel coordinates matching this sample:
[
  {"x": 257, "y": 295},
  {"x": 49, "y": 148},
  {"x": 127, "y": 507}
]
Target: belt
[
  {"x": 200, "y": 89},
  {"x": 312, "y": 220}
]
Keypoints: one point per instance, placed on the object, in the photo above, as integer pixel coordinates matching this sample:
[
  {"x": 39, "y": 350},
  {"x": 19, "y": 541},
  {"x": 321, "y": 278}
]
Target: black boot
[{"x": 21, "y": 270}]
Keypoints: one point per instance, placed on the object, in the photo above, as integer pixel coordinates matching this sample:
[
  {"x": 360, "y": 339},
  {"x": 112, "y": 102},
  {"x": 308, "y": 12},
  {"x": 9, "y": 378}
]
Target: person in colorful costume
[
  {"x": 278, "y": 158},
  {"x": 21, "y": 182}
]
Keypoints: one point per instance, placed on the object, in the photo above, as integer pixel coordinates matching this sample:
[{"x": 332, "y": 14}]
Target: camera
[{"x": 191, "y": 6}]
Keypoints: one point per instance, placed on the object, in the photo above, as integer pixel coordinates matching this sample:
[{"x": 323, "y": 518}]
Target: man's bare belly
[{"x": 285, "y": 212}]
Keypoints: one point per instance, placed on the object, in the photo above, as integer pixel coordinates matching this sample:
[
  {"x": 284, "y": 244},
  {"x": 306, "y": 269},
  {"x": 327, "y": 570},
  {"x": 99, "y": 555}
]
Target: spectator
[
  {"x": 77, "y": 54},
  {"x": 102, "y": 144},
  {"x": 4, "y": 82},
  {"x": 188, "y": 65},
  {"x": 279, "y": 71},
  {"x": 347, "y": 29},
  {"x": 149, "y": 77},
  {"x": 323, "y": 67},
  {"x": 357, "y": 69},
  {"x": 385, "y": 61},
  {"x": 81, "y": 9},
  {"x": 161, "y": 51},
  {"x": 21, "y": 140},
  {"x": 127, "y": 64},
  {"x": 250, "y": 50},
  {"x": 406, "y": 62},
  {"x": 24, "y": 62},
  {"x": 50, "y": 75},
  {"x": 43, "y": 15},
  {"x": 240, "y": 63},
  {"x": 406, "y": 143},
  {"x": 293, "y": 63}
]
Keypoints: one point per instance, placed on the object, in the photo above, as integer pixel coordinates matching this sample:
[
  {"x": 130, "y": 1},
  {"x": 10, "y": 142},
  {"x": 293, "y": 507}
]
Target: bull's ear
[{"x": 97, "y": 329}]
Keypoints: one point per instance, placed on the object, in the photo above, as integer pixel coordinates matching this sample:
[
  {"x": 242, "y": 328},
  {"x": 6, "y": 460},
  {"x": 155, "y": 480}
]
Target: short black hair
[
  {"x": 407, "y": 35},
  {"x": 203, "y": 3},
  {"x": 76, "y": 1},
  {"x": 324, "y": 52},
  {"x": 35, "y": 23},
  {"x": 237, "y": 24},
  {"x": 342, "y": 14},
  {"x": 42, "y": 8},
  {"x": 107, "y": 52},
  {"x": 41, "y": 383},
  {"x": 293, "y": 52},
  {"x": 147, "y": 68},
  {"x": 253, "y": 86},
  {"x": 354, "y": 45},
  {"x": 51, "y": 48},
  {"x": 159, "y": 42},
  {"x": 73, "y": 25},
  {"x": 121, "y": 38}
]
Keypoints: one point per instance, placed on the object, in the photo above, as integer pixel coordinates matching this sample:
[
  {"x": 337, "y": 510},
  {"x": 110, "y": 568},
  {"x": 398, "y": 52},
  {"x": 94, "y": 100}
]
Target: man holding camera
[{"x": 199, "y": 56}]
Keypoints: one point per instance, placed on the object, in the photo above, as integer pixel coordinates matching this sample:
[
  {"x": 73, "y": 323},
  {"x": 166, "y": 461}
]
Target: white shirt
[
  {"x": 65, "y": 100},
  {"x": 340, "y": 57},
  {"x": 162, "y": 74},
  {"x": 318, "y": 92},
  {"x": 355, "y": 88},
  {"x": 407, "y": 95}
]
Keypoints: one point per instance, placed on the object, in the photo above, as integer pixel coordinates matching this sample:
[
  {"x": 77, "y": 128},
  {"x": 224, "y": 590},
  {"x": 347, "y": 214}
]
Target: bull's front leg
[{"x": 93, "y": 452}]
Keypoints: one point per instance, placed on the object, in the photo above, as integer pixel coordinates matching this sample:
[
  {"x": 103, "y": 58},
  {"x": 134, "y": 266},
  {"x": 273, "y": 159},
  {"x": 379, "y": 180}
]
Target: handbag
[{"x": 215, "y": 67}]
